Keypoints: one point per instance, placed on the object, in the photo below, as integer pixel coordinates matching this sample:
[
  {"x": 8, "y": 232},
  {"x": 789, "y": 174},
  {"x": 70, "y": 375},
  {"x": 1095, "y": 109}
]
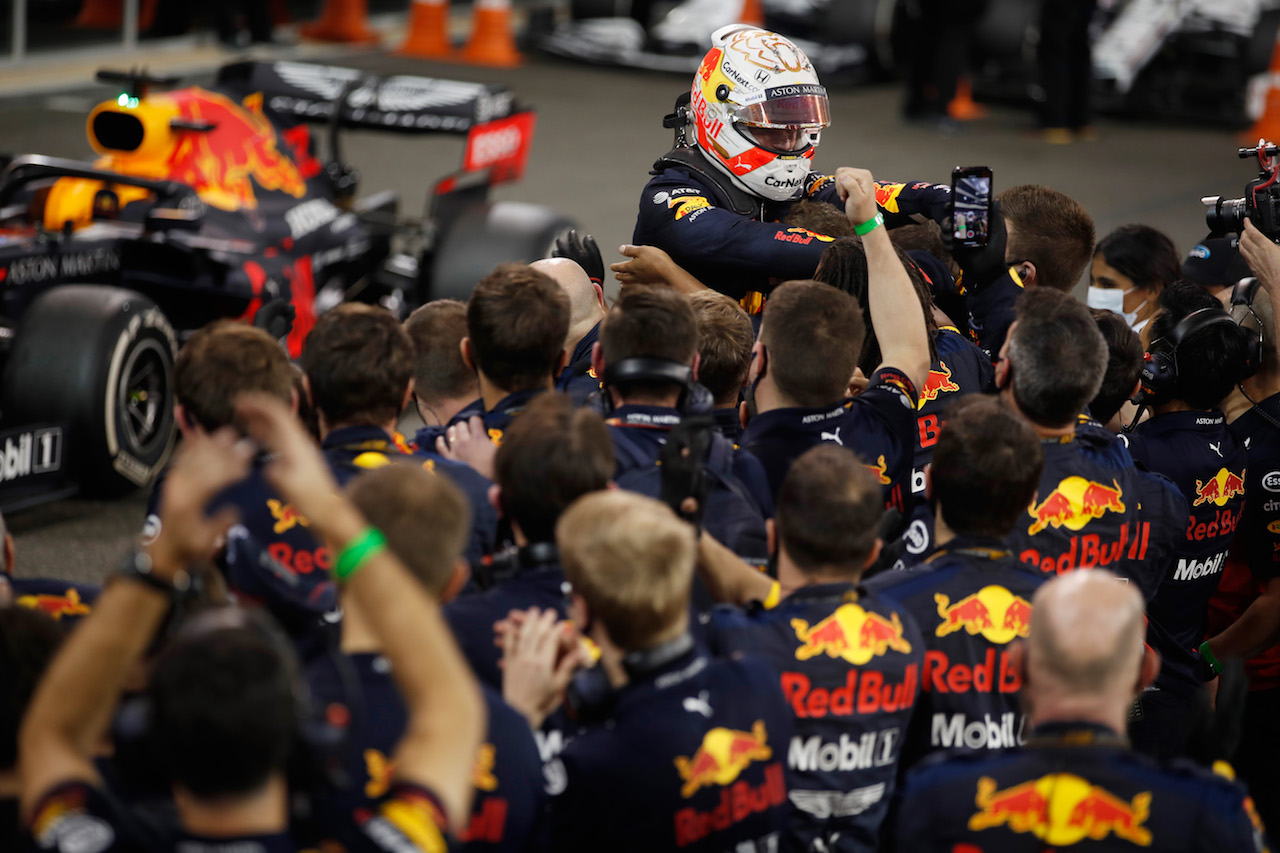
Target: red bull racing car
[{"x": 216, "y": 202}]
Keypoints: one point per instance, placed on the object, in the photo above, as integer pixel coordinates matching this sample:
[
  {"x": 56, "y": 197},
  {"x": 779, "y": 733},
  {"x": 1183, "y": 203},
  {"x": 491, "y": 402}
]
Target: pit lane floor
[{"x": 599, "y": 131}]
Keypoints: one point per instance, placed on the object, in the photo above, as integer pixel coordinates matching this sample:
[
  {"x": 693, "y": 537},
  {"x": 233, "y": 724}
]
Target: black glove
[
  {"x": 980, "y": 264},
  {"x": 682, "y": 459},
  {"x": 583, "y": 250},
  {"x": 276, "y": 318}
]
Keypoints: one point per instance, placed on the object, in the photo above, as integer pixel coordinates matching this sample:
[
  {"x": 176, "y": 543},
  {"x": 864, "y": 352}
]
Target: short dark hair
[
  {"x": 222, "y": 361},
  {"x": 28, "y": 641},
  {"x": 829, "y": 510},
  {"x": 436, "y": 329},
  {"x": 1056, "y": 355},
  {"x": 1143, "y": 254},
  {"x": 1052, "y": 230},
  {"x": 725, "y": 338},
  {"x": 650, "y": 322},
  {"x": 1124, "y": 363},
  {"x": 517, "y": 321},
  {"x": 551, "y": 455},
  {"x": 424, "y": 516},
  {"x": 813, "y": 334},
  {"x": 844, "y": 267},
  {"x": 1211, "y": 360},
  {"x": 224, "y": 707},
  {"x": 820, "y": 218},
  {"x": 986, "y": 467},
  {"x": 359, "y": 362}
]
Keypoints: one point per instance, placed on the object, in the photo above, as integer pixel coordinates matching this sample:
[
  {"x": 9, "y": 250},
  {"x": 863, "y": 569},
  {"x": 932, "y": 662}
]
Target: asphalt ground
[{"x": 598, "y": 133}]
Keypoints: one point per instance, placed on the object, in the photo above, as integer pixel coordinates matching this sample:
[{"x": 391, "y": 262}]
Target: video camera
[{"x": 1261, "y": 201}]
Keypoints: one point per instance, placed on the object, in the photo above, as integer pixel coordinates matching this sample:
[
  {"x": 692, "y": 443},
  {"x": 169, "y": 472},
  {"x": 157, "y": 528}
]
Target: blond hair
[{"x": 631, "y": 560}]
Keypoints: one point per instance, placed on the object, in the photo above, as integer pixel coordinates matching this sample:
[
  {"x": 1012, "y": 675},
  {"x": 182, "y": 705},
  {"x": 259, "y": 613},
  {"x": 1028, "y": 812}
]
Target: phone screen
[{"x": 971, "y": 205}]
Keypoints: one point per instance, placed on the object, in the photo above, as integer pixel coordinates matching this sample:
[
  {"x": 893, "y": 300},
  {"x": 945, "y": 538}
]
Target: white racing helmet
[{"x": 758, "y": 110}]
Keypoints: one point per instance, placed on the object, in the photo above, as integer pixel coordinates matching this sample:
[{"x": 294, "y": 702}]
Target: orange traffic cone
[
  {"x": 962, "y": 106},
  {"x": 752, "y": 13},
  {"x": 1268, "y": 123},
  {"x": 492, "y": 42},
  {"x": 341, "y": 21},
  {"x": 428, "y": 30}
]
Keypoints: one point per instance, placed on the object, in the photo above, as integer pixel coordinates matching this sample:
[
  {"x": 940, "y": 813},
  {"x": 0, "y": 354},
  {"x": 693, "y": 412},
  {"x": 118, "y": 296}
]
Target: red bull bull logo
[
  {"x": 223, "y": 164},
  {"x": 1062, "y": 809},
  {"x": 285, "y": 515},
  {"x": 994, "y": 612},
  {"x": 1221, "y": 488},
  {"x": 850, "y": 633},
  {"x": 1074, "y": 503},
  {"x": 887, "y": 195},
  {"x": 881, "y": 471},
  {"x": 938, "y": 383},
  {"x": 56, "y": 606},
  {"x": 722, "y": 757},
  {"x": 685, "y": 205}
]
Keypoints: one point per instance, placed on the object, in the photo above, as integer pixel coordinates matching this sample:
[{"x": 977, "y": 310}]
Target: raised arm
[
  {"x": 446, "y": 714},
  {"x": 894, "y": 305},
  {"x": 66, "y": 721}
]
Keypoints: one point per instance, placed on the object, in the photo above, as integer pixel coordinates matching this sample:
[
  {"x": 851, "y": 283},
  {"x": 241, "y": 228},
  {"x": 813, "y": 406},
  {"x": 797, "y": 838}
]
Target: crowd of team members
[{"x": 664, "y": 575}]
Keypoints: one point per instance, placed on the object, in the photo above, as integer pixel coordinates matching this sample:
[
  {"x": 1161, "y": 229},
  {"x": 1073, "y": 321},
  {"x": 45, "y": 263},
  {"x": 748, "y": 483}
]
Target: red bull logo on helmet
[
  {"x": 1062, "y": 809},
  {"x": 223, "y": 163},
  {"x": 994, "y": 612},
  {"x": 722, "y": 757},
  {"x": 1074, "y": 503},
  {"x": 851, "y": 633},
  {"x": 1221, "y": 488},
  {"x": 938, "y": 383}
]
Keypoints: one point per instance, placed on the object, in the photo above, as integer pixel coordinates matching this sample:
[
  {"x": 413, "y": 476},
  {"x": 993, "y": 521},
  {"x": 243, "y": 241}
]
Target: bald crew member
[
  {"x": 586, "y": 310},
  {"x": 1076, "y": 780}
]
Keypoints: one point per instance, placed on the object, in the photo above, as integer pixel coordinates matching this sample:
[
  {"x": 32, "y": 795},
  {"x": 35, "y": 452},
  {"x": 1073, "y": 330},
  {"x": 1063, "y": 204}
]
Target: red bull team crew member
[
  {"x": 587, "y": 310},
  {"x": 1198, "y": 356},
  {"x": 224, "y": 691},
  {"x": 1245, "y": 610},
  {"x": 1076, "y": 781},
  {"x": 972, "y": 596},
  {"x": 443, "y": 384},
  {"x": 517, "y": 320},
  {"x": 717, "y": 201},
  {"x": 849, "y": 662},
  {"x": 810, "y": 340},
  {"x": 725, "y": 341},
  {"x": 683, "y": 752},
  {"x": 1086, "y": 513},
  {"x": 507, "y": 775},
  {"x": 271, "y": 555}
]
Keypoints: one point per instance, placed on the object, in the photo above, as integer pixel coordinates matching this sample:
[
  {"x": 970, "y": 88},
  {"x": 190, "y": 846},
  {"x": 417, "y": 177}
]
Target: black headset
[
  {"x": 1159, "y": 376},
  {"x": 1243, "y": 294},
  {"x": 319, "y": 752},
  {"x": 506, "y": 564},
  {"x": 694, "y": 399},
  {"x": 591, "y": 697}
]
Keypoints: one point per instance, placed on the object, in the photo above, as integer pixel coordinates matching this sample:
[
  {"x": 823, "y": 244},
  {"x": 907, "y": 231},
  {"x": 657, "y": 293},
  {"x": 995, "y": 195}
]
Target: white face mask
[{"x": 1112, "y": 299}]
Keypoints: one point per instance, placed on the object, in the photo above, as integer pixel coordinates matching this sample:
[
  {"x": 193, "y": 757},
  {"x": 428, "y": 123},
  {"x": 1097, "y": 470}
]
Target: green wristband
[
  {"x": 870, "y": 225},
  {"x": 1210, "y": 658},
  {"x": 358, "y": 551}
]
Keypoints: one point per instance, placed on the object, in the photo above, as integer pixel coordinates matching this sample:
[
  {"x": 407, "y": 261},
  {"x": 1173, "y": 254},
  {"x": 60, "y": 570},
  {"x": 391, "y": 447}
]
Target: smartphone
[{"x": 971, "y": 205}]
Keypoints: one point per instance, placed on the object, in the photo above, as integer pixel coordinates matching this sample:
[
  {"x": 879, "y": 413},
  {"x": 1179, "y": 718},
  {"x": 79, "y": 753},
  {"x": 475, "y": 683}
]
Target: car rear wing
[{"x": 499, "y": 131}]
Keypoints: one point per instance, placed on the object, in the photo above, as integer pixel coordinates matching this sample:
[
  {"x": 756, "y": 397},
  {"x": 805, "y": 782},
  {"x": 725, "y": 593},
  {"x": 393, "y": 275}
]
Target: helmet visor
[{"x": 788, "y": 106}]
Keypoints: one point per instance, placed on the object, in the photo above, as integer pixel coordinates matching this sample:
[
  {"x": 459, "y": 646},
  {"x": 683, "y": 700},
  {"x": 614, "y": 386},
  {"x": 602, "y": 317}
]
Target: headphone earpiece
[
  {"x": 1159, "y": 375},
  {"x": 1243, "y": 293}
]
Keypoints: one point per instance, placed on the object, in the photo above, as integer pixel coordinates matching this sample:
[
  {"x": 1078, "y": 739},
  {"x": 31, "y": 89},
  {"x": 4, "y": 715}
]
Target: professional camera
[{"x": 1261, "y": 201}]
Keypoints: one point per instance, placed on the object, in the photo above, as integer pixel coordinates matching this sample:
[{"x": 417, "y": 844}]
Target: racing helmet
[{"x": 758, "y": 110}]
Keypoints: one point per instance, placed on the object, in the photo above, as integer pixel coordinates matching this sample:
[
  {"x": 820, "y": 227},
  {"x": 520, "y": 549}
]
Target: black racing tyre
[
  {"x": 99, "y": 359},
  {"x": 487, "y": 235}
]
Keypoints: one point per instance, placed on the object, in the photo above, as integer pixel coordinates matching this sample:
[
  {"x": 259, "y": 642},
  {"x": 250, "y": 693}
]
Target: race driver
[{"x": 716, "y": 202}]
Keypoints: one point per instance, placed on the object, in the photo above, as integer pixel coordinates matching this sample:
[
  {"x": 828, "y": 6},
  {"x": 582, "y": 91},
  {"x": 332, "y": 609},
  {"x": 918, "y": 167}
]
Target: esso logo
[
  {"x": 490, "y": 148},
  {"x": 1271, "y": 482}
]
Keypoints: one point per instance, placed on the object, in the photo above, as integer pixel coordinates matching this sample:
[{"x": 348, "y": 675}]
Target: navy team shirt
[
  {"x": 849, "y": 665},
  {"x": 578, "y": 379},
  {"x": 506, "y": 811},
  {"x": 972, "y": 600},
  {"x": 1205, "y": 461},
  {"x": 1076, "y": 786},
  {"x": 691, "y": 758},
  {"x": 960, "y": 368},
  {"x": 879, "y": 425},
  {"x": 497, "y": 419}
]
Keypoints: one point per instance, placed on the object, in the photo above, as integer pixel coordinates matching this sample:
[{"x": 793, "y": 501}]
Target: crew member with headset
[{"x": 1198, "y": 354}]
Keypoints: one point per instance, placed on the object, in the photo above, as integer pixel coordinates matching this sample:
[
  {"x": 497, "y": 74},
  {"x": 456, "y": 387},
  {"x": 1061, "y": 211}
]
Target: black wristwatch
[{"x": 137, "y": 566}]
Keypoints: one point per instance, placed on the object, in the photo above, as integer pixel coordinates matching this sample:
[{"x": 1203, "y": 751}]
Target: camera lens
[{"x": 1225, "y": 215}]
